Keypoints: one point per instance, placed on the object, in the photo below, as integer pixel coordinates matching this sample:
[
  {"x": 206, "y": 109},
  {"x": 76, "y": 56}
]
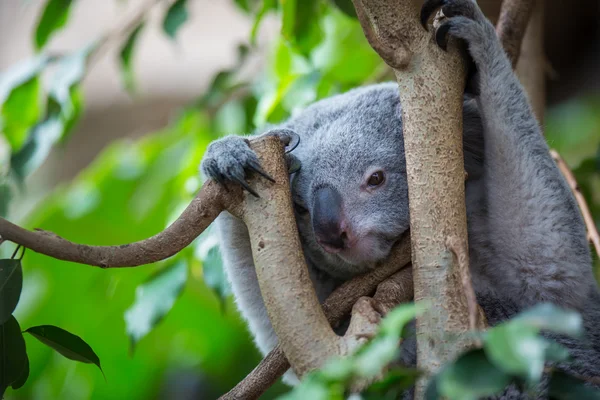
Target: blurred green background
[{"x": 194, "y": 71}]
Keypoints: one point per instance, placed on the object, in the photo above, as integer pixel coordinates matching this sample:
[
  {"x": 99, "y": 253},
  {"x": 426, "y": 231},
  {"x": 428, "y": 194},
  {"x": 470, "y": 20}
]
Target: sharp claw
[
  {"x": 441, "y": 35},
  {"x": 246, "y": 186},
  {"x": 294, "y": 141},
  {"x": 255, "y": 166},
  {"x": 428, "y": 8}
]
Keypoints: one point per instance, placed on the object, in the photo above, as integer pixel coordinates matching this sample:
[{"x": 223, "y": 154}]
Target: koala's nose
[{"x": 328, "y": 220}]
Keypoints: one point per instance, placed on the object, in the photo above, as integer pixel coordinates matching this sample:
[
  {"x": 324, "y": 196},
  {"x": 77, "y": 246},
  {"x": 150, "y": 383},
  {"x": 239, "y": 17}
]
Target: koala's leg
[{"x": 537, "y": 236}]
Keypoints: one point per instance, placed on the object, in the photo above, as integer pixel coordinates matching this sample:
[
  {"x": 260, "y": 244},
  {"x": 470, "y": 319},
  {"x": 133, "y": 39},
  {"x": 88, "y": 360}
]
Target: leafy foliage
[{"x": 182, "y": 308}]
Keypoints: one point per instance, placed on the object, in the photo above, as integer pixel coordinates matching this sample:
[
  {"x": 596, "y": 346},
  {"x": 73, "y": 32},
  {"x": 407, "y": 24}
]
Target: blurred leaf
[
  {"x": 13, "y": 357},
  {"x": 176, "y": 16},
  {"x": 54, "y": 17},
  {"x": 20, "y": 111},
  {"x": 556, "y": 352},
  {"x": 516, "y": 348},
  {"x": 346, "y": 7},
  {"x": 394, "y": 322},
  {"x": 208, "y": 252},
  {"x": 344, "y": 55},
  {"x": 566, "y": 387},
  {"x": 267, "y": 5},
  {"x": 288, "y": 19},
  {"x": 154, "y": 299},
  {"x": 67, "y": 344},
  {"x": 471, "y": 377},
  {"x": 126, "y": 58},
  {"x": 379, "y": 353},
  {"x": 547, "y": 316},
  {"x": 11, "y": 284},
  {"x": 394, "y": 383},
  {"x": 5, "y": 197}
]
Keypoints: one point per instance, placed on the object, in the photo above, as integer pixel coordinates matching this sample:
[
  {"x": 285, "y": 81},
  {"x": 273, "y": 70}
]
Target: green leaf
[
  {"x": 549, "y": 317},
  {"x": 471, "y": 377},
  {"x": 176, "y": 16},
  {"x": 394, "y": 322},
  {"x": 566, "y": 387},
  {"x": 54, "y": 17},
  {"x": 346, "y": 7},
  {"x": 208, "y": 252},
  {"x": 288, "y": 19},
  {"x": 11, "y": 284},
  {"x": 22, "y": 379},
  {"x": 13, "y": 357},
  {"x": 126, "y": 57},
  {"x": 154, "y": 299},
  {"x": 69, "y": 345},
  {"x": 396, "y": 380},
  {"x": 267, "y": 5},
  {"x": 5, "y": 197},
  {"x": 516, "y": 348},
  {"x": 20, "y": 111}
]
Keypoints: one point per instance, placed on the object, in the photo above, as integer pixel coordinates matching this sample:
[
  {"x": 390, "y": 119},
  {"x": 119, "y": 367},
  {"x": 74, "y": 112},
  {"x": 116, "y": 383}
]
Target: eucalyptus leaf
[
  {"x": 154, "y": 299},
  {"x": 5, "y": 197},
  {"x": 208, "y": 252},
  {"x": 267, "y": 5},
  {"x": 346, "y": 7},
  {"x": 517, "y": 349},
  {"x": 549, "y": 317},
  {"x": 67, "y": 344},
  {"x": 126, "y": 55},
  {"x": 11, "y": 284},
  {"x": 54, "y": 17},
  {"x": 13, "y": 357},
  {"x": 21, "y": 111},
  {"x": 176, "y": 16},
  {"x": 471, "y": 377},
  {"x": 22, "y": 379}
]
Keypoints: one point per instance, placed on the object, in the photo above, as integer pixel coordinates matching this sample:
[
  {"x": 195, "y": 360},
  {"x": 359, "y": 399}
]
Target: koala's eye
[{"x": 376, "y": 179}]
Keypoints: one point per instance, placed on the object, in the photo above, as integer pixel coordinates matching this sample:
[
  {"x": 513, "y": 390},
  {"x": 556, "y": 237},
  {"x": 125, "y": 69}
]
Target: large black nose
[{"x": 328, "y": 219}]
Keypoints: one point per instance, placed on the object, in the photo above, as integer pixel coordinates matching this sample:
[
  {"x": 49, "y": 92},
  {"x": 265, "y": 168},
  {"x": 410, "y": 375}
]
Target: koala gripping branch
[{"x": 431, "y": 85}]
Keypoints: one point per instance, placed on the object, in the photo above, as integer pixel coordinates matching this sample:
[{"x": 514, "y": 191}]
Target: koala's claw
[
  {"x": 450, "y": 8},
  {"x": 255, "y": 166},
  {"x": 428, "y": 8},
  {"x": 288, "y": 137},
  {"x": 441, "y": 35}
]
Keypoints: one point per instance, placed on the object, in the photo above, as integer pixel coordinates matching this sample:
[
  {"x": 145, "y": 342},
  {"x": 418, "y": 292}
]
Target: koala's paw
[
  {"x": 464, "y": 20},
  {"x": 228, "y": 160}
]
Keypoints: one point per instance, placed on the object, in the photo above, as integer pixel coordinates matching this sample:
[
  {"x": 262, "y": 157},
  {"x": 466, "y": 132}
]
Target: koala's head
[{"x": 350, "y": 195}]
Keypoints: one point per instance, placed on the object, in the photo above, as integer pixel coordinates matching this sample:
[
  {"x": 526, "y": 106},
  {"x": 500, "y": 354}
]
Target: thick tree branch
[
  {"x": 431, "y": 88},
  {"x": 337, "y": 307}
]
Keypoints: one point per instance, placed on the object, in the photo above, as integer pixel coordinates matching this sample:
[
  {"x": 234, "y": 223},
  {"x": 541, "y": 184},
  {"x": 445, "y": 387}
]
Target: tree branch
[
  {"x": 337, "y": 306},
  {"x": 205, "y": 207},
  {"x": 511, "y": 26},
  {"x": 592, "y": 231}
]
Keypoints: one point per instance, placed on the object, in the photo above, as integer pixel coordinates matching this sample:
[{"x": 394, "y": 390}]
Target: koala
[{"x": 527, "y": 239}]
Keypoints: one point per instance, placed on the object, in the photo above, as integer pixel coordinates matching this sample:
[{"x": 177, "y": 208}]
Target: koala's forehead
[{"x": 352, "y": 131}]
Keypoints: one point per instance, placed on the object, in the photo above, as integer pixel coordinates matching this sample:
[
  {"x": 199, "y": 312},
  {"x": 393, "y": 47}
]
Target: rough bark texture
[
  {"x": 393, "y": 291},
  {"x": 294, "y": 310},
  {"x": 431, "y": 88},
  {"x": 205, "y": 207},
  {"x": 531, "y": 68}
]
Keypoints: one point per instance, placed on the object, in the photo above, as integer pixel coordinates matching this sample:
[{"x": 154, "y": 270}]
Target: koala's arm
[{"x": 536, "y": 233}]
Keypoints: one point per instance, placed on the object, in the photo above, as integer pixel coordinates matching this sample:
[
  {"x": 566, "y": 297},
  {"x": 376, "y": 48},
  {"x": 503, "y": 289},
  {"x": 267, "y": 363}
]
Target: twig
[
  {"x": 121, "y": 31},
  {"x": 512, "y": 23},
  {"x": 592, "y": 231},
  {"x": 336, "y": 307}
]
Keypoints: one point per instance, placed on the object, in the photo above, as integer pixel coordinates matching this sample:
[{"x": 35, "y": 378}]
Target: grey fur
[{"x": 527, "y": 239}]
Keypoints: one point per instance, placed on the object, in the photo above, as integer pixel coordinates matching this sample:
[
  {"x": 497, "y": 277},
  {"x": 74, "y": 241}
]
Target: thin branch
[
  {"x": 337, "y": 306},
  {"x": 592, "y": 231},
  {"x": 512, "y": 23},
  {"x": 203, "y": 209},
  {"x": 122, "y": 30}
]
